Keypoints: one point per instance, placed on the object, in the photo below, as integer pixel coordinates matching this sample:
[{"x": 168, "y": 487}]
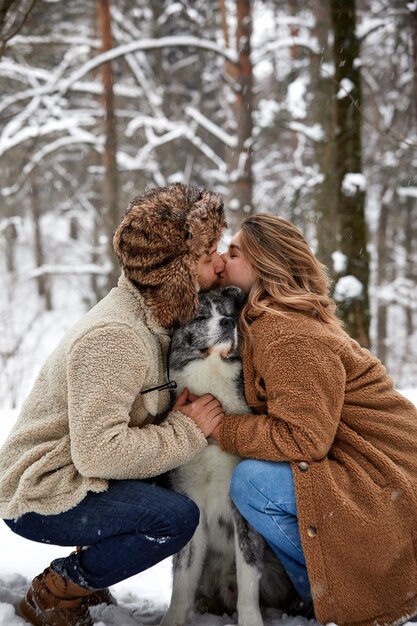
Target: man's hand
[{"x": 205, "y": 410}]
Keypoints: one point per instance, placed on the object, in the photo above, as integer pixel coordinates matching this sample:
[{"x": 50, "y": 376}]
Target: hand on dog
[{"x": 206, "y": 411}]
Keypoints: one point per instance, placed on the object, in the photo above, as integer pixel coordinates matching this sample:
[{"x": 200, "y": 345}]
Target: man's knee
[{"x": 187, "y": 516}]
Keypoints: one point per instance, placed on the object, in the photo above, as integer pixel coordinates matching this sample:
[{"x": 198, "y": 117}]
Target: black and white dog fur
[{"x": 226, "y": 565}]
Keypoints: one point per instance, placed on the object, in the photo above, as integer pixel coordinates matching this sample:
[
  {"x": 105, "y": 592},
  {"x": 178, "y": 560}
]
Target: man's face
[{"x": 209, "y": 268}]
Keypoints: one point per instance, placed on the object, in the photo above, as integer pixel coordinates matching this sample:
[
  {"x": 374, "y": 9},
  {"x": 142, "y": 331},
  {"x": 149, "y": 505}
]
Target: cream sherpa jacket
[{"x": 85, "y": 421}]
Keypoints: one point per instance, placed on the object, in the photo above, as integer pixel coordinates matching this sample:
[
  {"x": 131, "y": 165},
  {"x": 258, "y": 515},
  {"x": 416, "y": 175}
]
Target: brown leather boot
[
  {"x": 101, "y": 596},
  {"x": 54, "y": 601}
]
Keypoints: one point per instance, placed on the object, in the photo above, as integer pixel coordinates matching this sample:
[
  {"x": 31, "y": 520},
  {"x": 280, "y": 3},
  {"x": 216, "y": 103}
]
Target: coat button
[
  {"x": 303, "y": 466},
  {"x": 311, "y": 531}
]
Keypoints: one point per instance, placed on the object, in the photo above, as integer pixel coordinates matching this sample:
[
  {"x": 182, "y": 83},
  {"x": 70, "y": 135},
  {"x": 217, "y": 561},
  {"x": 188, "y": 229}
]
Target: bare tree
[
  {"x": 111, "y": 175},
  {"x": 323, "y": 108},
  {"x": 350, "y": 196},
  {"x": 43, "y": 280},
  {"x": 242, "y": 81},
  {"x": 13, "y": 14},
  {"x": 413, "y": 24}
]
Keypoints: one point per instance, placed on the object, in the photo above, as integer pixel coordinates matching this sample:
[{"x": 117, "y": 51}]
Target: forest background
[{"x": 304, "y": 110}]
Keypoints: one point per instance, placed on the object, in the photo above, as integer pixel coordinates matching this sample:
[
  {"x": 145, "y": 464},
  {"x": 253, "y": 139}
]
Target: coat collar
[
  {"x": 143, "y": 310},
  {"x": 155, "y": 401}
]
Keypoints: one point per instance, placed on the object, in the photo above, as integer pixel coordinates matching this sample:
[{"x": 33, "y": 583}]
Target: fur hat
[{"x": 163, "y": 234}]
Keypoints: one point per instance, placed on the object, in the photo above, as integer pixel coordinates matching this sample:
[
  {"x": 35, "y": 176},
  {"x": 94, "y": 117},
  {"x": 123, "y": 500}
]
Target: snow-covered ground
[{"x": 142, "y": 598}]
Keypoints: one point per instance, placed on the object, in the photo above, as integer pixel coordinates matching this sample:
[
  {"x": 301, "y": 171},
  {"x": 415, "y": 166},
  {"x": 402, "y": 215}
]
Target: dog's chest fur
[
  {"x": 206, "y": 478},
  {"x": 215, "y": 375}
]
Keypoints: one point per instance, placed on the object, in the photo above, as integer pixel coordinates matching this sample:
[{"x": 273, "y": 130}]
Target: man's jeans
[
  {"x": 128, "y": 528},
  {"x": 264, "y": 494}
]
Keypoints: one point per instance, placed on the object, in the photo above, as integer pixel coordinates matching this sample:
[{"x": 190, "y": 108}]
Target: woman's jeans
[
  {"x": 128, "y": 528},
  {"x": 264, "y": 494}
]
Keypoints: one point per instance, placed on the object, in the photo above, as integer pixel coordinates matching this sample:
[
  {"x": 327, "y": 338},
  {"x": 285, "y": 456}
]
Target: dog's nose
[{"x": 227, "y": 322}]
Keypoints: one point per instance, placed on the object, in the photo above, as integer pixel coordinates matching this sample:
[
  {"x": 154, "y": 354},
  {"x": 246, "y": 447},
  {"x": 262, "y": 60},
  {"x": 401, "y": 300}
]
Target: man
[
  {"x": 209, "y": 269},
  {"x": 73, "y": 470}
]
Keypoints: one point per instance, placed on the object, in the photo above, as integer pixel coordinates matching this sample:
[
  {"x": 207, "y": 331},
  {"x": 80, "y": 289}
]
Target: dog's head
[{"x": 213, "y": 329}]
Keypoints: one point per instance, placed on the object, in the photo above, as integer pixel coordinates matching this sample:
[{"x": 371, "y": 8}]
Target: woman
[
  {"x": 332, "y": 480},
  {"x": 73, "y": 470}
]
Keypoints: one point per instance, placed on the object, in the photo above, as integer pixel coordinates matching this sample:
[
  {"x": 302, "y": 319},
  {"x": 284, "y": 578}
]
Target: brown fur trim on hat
[{"x": 163, "y": 234}]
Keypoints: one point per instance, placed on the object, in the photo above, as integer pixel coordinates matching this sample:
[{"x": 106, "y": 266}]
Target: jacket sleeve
[
  {"x": 305, "y": 388},
  {"x": 106, "y": 370}
]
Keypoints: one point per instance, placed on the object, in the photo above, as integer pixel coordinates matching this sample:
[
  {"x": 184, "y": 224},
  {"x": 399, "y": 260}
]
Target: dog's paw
[
  {"x": 174, "y": 618},
  {"x": 250, "y": 617}
]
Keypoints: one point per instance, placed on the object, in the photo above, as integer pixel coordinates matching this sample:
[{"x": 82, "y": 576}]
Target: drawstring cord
[{"x": 171, "y": 384}]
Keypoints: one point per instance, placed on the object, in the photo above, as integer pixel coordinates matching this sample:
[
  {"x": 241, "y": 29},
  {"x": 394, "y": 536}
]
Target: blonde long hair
[{"x": 287, "y": 272}]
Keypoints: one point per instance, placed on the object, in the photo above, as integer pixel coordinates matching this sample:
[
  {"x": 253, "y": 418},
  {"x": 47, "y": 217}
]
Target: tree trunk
[
  {"x": 111, "y": 175},
  {"x": 350, "y": 196},
  {"x": 323, "y": 111},
  {"x": 10, "y": 237},
  {"x": 413, "y": 26},
  {"x": 410, "y": 273},
  {"x": 242, "y": 177},
  {"x": 13, "y": 14},
  {"x": 381, "y": 276},
  {"x": 43, "y": 281}
]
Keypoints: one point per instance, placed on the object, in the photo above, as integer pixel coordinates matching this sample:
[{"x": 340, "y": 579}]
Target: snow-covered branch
[
  {"x": 77, "y": 139},
  {"x": 35, "y": 131},
  {"x": 286, "y": 42},
  {"x": 212, "y": 128},
  {"x": 315, "y": 132},
  {"x": 88, "y": 268},
  {"x": 146, "y": 44},
  {"x": 30, "y": 40}
]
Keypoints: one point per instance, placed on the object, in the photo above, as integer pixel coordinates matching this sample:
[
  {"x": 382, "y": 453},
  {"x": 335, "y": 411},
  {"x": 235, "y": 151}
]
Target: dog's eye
[{"x": 199, "y": 318}]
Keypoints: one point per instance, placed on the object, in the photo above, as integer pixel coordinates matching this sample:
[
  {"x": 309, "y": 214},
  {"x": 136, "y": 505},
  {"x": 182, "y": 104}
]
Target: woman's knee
[
  {"x": 254, "y": 481},
  {"x": 243, "y": 482}
]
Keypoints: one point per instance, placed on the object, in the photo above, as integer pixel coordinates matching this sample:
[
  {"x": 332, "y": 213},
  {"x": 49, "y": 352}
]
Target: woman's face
[{"x": 237, "y": 269}]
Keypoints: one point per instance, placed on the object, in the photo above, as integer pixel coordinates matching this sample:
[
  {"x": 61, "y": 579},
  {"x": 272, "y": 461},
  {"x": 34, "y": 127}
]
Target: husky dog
[{"x": 226, "y": 565}]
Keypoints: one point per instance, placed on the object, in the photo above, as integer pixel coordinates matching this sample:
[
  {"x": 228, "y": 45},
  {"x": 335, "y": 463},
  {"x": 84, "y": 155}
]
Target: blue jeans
[
  {"x": 128, "y": 528},
  {"x": 264, "y": 494}
]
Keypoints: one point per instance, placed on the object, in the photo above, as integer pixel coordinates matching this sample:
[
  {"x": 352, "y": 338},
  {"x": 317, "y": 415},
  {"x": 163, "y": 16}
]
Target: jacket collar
[{"x": 144, "y": 311}]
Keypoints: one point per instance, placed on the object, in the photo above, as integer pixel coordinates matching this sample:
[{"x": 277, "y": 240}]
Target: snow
[
  {"x": 267, "y": 111},
  {"x": 214, "y": 129},
  {"x": 346, "y": 86},
  {"x": 314, "y": 132},
  {"x": 352, "y": 183},
  {"x": 407, "y": 192},
  {"x": 339, "y": 261},
  {"x": 399, "y": 291},
  {"x": 347, "y": 288},
  {"x": 296, "y": 103}
]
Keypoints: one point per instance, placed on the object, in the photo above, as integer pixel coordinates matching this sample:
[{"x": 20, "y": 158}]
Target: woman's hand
[
  {"x": 206, "y": 411},
  {"x": 215, "y": 434}
]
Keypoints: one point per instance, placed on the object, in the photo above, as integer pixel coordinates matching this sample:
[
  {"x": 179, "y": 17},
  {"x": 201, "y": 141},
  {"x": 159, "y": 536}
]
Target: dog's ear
[{"x": 235, "y": 294}]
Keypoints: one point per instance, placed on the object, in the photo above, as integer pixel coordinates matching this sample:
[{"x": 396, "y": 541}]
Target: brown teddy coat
[
  {"x": 328, "y": 407},
  {"x": 86, "y": 422}
]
